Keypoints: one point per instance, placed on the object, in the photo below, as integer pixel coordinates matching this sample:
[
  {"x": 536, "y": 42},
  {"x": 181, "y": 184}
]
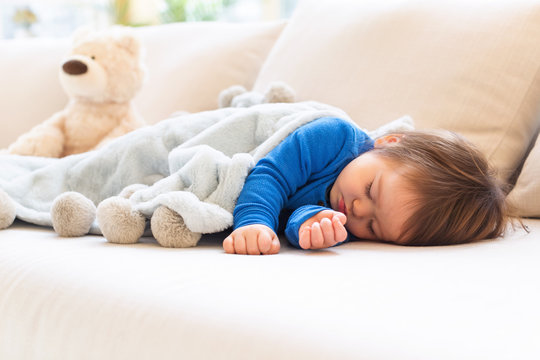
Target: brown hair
[{"x": 459, "y": 198}]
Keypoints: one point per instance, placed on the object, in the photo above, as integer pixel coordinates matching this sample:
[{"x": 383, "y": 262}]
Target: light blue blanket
[{"x": 195, "y": 164}]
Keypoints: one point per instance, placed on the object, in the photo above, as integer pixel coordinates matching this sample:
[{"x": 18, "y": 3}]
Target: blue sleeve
[
  {"x": 288, "y": 167},
  {"x": 296, "y": 220}
]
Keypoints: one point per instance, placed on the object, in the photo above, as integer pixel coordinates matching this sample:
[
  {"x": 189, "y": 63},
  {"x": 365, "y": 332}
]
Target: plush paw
[
  {"x": 72, "y": 214},
  {"x": 226, "y": 96},
  {"x": 238, "y": 96},
  {"x": 42, "y": 140},
  {"x": 7, "y": 210},
  {"x": 170, "y": 230},
  {"x": 279, "y": 92},
  {"x": 118, "y": 222}
]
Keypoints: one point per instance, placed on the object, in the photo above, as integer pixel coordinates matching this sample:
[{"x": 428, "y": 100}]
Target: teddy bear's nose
[{"x": 74, "y": 67}]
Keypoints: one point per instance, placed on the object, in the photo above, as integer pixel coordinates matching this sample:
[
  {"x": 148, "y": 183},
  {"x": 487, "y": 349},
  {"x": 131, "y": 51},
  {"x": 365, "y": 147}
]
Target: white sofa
[{"x": 469, "y": 66}]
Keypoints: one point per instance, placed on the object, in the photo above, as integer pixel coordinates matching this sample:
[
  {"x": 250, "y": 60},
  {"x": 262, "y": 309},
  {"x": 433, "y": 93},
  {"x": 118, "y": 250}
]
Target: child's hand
[
  {"x": 252, "y": 240},
  {"x": 323, "y": 230}
]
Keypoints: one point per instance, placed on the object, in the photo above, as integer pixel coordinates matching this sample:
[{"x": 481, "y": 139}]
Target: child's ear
[{"x": 388, "y": 140}]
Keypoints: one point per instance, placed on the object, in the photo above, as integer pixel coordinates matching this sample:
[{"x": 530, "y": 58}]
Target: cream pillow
[
  {"x": 525, "y": 195},
  {"x": 188, "y": 65},
  {"x": 470, "y": 66},
  {"x": 30, "y": 91}
]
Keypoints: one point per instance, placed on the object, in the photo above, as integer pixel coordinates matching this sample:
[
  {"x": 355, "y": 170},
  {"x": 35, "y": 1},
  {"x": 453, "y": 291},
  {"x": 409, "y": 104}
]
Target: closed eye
[
  {"x": 370, "y": 228},
  {"x": 368, "y": 195},
  {"x": 368, "y": 190}
]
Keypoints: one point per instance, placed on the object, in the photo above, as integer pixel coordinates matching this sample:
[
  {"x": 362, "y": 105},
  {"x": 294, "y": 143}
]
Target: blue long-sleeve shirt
[{"x": 295, "y": 178}]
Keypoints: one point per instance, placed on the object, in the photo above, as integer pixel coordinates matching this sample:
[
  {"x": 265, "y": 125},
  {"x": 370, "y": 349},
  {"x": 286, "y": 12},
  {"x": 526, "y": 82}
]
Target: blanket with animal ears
[{"x": 194, "y": 164}]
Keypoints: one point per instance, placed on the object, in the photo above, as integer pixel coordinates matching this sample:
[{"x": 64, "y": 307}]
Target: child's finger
[
  {"x": 325, "y": 214},
  {"x": 340, "y": 233},
  {"x": 327, "y": 230},
  {"x": 304, "y": 237},
  {"x": 317, "y": 239},
  {"x": 274, "y": 249},
  {"x": 228, "y": 245},
  {"x": 264, "y": 242},
  {"x": 240, "y": 244},
  {"x": 341, "y": 217},
  {"x": 252, "y": 243}
]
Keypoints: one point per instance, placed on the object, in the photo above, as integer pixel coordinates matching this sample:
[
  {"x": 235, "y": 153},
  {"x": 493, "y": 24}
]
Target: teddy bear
[
  {"x": 101, "y": 75},
  {"x": 238, "y": 96}
]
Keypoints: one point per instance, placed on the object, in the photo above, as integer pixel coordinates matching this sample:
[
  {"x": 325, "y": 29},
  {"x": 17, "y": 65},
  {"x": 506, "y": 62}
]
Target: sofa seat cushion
[{"x": 75, "y": 298}]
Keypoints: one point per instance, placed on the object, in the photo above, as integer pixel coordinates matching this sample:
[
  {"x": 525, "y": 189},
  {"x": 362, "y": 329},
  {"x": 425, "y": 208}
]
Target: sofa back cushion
[
  {"x": 30, "y": 90},
  {"x": 471, "y": 66},
  {"x": 188, "y": 65},
  {"x": 525, "y": 196}
]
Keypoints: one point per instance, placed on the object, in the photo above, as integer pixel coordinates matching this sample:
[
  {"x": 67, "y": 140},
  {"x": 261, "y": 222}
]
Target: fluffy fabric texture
[
  {"x": 194, "y": 164},
  {"x": 238, "y": 96},
  {"x": 170, "y": 230},
  {"x": 119, "y": 223},
  {"x": 101, "y": 75},
  {"x": 7, "y": 210},
  {"x": 72, "y": 214}
]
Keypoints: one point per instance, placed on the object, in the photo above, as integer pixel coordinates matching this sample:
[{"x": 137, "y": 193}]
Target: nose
[
  {"x": 74, "y": 67},
  {"x": 362, "y": 208}
]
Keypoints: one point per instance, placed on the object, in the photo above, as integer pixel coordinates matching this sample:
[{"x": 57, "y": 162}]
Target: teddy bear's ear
[
  {"x": 129, "y": 42},
  {"x": 80, "y": 34}
]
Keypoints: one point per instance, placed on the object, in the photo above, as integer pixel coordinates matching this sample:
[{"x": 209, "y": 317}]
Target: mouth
[{"x": 341, "y": 207}]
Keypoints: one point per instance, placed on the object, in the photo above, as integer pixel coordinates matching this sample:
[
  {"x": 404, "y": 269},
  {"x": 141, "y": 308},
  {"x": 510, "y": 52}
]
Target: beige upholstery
[
  {"x": 467, "y": 66},
  {"x": 525, "y": 196},
  {"x": 188, "y": 65},
  {"x": 84, "y": 298}
]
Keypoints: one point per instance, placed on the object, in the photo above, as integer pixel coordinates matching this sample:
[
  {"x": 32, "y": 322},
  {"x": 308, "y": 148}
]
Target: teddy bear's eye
[{"x": 93, "y": 57}]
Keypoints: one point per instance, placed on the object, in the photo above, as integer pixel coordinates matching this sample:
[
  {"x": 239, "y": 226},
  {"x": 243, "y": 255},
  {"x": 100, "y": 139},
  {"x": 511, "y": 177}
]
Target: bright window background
[{"x": 58, "y": 18}]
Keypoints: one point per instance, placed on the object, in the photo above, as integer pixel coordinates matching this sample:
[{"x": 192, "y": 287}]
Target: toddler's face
[{"x": 374, "y": 196}]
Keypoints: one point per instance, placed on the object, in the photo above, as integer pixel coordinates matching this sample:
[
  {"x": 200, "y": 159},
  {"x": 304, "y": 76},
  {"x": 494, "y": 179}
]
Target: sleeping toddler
[{"x": 328, "y": 183}]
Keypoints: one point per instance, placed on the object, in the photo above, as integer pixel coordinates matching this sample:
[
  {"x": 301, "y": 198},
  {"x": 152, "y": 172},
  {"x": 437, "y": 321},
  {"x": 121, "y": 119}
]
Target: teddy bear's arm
[
  {"x": 123, "y": 128},
  {"x": 46, "y": 139}
]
